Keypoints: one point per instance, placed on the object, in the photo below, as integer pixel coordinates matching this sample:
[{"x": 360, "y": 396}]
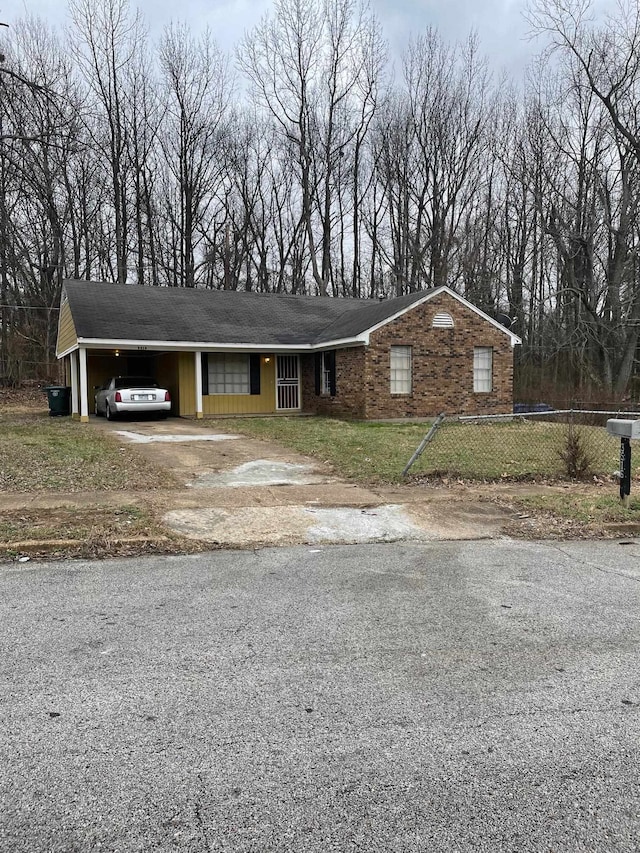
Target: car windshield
[{"x": 135, "y": 382}]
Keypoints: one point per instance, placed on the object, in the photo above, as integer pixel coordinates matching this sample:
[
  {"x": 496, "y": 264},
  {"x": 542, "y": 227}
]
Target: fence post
[{"x": 434, "y": 428}]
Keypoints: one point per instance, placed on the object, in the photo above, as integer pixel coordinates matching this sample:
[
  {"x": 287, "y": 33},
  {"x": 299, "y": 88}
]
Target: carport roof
[{"x": 120, "y": 312}]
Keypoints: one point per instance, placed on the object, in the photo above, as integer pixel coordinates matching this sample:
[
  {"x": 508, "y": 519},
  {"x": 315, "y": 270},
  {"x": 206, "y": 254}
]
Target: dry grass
[
  {"x": 371, "y": 452},
  {"x": 94, "y": 531},
  {"x": 366, "y": 452},
  {"x": 41, "y": 454},
  {"x": 573, "y": 515},
  {"x": 86, "y": 523}
]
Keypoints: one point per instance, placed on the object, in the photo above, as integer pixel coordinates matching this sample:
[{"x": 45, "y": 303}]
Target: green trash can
[{"x": 59, "y": 398}]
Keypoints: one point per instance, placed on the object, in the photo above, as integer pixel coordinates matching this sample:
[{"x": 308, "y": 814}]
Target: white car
[{"x": 131, "y": 395}]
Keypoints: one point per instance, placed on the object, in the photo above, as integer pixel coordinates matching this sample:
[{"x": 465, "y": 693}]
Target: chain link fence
[
  {"x": 550, "y": 445},
  {"x": 22, "y": 373}
]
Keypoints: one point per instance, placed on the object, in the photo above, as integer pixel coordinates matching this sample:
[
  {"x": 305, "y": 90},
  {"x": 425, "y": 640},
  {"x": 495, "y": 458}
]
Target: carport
[{"x": 87, "y": 368}]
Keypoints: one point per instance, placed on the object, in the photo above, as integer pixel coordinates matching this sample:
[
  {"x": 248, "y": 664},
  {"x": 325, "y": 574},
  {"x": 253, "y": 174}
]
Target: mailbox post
[{"x": 625, "y": 430}]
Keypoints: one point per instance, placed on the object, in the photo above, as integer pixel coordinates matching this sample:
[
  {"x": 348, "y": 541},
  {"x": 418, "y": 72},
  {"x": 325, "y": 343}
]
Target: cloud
[{"x": 499, "y": 23}]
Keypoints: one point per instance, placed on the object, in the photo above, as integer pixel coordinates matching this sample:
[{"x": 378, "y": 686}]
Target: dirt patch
[
  {"x": 26, "y": 400},
  {"x": 250, "y": 526},
  {"x": 262, "y": 472},
  {"x": 191, "y": 459},
  {"x": 87, "y": 531}
]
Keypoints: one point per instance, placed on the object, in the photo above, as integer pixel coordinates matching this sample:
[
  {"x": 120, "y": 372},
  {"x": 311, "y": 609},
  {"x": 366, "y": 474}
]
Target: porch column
[
  {"x": 75, "y": 409},
  {"x": 84, "y": 408},
  {"x": 198, "y": 370}
]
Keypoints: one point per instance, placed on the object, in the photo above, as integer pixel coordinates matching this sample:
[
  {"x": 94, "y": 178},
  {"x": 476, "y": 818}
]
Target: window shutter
[
  {"x": 331, "y": 356},
  {"x": 205, "y": 373},
  {"x": 318, "y": 372},
  {"x": 254, "y": 373}
]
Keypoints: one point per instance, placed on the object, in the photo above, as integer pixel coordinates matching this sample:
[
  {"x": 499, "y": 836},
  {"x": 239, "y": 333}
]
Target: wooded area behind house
[{"x": 302, "y": 163}]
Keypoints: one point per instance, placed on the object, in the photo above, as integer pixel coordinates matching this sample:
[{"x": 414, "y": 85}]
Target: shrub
[{"x": 575, "y": 454}]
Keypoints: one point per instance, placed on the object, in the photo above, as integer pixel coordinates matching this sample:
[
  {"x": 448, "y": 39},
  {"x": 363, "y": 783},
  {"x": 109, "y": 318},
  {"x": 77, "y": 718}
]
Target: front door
[{"x": 287, "y": 383}]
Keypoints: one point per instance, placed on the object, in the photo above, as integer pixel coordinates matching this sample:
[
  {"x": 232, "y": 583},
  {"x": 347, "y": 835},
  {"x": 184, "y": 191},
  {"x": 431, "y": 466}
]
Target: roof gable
[{"x": 427, "y": 295}]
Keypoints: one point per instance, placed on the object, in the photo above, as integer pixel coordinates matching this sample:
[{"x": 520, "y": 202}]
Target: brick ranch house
[{"x": 235, "y": 353}]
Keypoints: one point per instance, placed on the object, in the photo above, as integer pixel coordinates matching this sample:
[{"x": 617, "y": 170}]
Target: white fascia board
[
  {"x": 515, "y": 340},
  {"x": 212, "y": 346},
  {"x": 400, "y": 313},
  {"x": 433, "y": 293},
  {"x": 60, "y": 355},
  {"x": 173, "y": 346},
  {"x": 343, "y": 343}
]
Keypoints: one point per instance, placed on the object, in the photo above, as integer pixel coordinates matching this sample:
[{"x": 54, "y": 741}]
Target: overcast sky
[{"x": 499, "y": 23}]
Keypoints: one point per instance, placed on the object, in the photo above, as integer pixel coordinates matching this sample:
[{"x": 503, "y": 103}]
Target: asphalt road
[{"x": 428, "y": 697}]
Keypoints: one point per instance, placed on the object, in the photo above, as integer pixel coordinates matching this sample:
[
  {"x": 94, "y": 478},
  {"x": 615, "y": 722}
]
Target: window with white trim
[
  {"x": 400, "y": 370},
  {"x": 325, "y": 386},
  {"x": 482, "y": 370},
  {"x": 229, "y": 373}
]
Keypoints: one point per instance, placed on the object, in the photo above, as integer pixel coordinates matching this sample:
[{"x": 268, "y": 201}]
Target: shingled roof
[{"x": 121, "y": 312}]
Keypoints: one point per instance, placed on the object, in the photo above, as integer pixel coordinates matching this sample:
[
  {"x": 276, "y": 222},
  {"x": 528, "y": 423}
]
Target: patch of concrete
[
  {"x": 388, "y": 523},
  {"x": 138, "y": 438},
  {"x": 261, "y": 472},
  {"x": 290, "y": 525},
  {"x": 242, "y": 527}
]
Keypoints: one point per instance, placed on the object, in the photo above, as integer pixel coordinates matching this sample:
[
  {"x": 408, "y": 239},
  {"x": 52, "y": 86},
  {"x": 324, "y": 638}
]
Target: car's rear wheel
[{"x": 108, "y": 413}]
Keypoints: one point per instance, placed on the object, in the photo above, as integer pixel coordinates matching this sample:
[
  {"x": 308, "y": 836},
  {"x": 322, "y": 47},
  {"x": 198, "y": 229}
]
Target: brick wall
[
  {"x": 349, "y": 401},
  {"x": 442, "y": 364}
]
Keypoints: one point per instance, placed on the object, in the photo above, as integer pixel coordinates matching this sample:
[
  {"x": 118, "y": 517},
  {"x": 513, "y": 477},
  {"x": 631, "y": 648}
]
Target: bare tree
[
  {"x": 305, "y": 66},
  {"x": 600, "y": 68},
  {"x": 38, "y": 130},
  {"x": 106, "y": 40},
  {"x": 199, "y": 85},
  {"x": 608, "y": 54},
  {"x": 144, "y": 117}
]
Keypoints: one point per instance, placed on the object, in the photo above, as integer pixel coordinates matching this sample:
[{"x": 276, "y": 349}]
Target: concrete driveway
[
  {"x": 442, "y": 696},
  {"x": 242, "y": 492}
]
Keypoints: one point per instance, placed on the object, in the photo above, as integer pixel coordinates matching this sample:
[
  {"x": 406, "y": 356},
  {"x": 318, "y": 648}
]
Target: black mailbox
[{"x": 625, "y": 429}]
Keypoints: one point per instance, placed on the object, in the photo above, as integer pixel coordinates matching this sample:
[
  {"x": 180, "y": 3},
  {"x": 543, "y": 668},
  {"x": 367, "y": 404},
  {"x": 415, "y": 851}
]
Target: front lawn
[
  {"x": 371, "y": 452},
  {"x": 367, "y": 452},
  {"x": 40, "y": 454},
  {"x": 43, "y": 454}
]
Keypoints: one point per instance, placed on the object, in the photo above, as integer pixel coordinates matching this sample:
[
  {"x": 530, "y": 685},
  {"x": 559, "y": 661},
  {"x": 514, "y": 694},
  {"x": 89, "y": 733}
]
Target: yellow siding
[
  {"x": 67, "y": 336},
  {"x": 167, "y": 375},
  {"x": 263, "y": 403},
  {"x": 187, "y": 383},
  {"x": 102, "y": 366}
]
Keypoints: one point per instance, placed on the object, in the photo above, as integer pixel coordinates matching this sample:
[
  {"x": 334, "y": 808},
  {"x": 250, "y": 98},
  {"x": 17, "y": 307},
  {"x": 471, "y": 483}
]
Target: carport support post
[
  {"x": 198, "y": 370},
  {"x": 84, "y": 406},
  {"x": 73, "y": 367}
]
